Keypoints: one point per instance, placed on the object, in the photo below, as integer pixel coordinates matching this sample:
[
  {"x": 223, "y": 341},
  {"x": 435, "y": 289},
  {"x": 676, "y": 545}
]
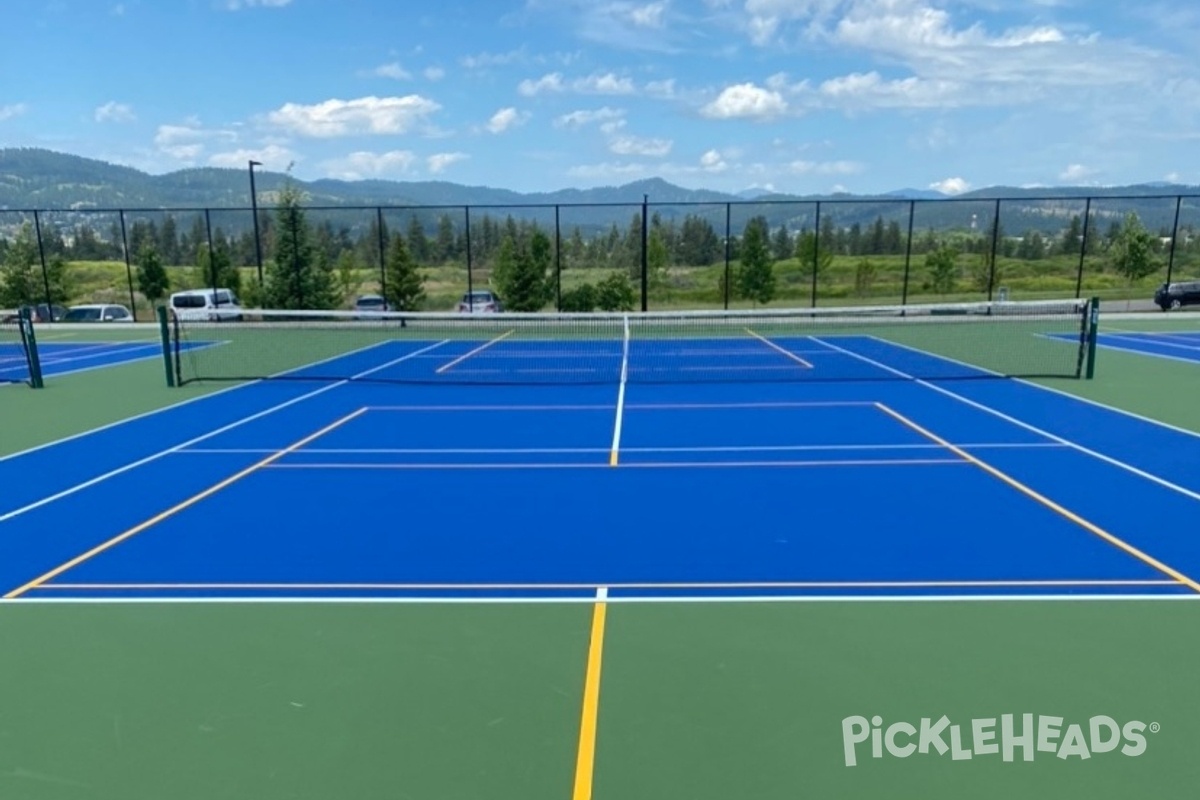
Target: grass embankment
[{"x": 701, "y": 287}]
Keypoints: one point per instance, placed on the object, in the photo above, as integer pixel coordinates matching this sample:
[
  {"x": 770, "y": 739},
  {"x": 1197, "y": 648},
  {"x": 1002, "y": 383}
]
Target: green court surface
[{"x": 702, "y": 701}]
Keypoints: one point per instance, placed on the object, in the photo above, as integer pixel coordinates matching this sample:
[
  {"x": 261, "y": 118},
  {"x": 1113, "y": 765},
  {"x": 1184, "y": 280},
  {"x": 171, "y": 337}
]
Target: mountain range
[{"x": 32, "y": 178}]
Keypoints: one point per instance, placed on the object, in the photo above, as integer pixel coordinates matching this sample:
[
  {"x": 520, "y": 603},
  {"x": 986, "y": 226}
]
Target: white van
[{"x": 213, "y": 305}]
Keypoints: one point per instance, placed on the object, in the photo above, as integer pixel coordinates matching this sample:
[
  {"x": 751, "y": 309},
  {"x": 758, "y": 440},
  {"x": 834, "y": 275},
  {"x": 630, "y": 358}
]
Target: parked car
[
  {"x": 210, "y": 305},
  {"x": 371, "y": 303},
  {"x": 1177, "y": 295},
  {"x": 480, "y": 302},
  {"x": 39, "y": 313},
  {"x": 98, "y": 312}
]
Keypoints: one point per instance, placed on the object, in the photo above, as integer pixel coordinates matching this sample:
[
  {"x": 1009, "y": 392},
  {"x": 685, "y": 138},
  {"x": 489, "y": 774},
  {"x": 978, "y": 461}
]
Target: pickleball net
[{"x": 944, "y": 341}]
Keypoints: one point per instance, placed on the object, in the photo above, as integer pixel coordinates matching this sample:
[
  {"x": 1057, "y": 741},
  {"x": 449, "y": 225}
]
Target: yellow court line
[
  {"x": 477, "y": 350},
  {"x": 776, "y": 347},
  {"x": 1091, "y": 527},
  {"x": 585, "y": 761},
  {"x": 170, "y": 512}
]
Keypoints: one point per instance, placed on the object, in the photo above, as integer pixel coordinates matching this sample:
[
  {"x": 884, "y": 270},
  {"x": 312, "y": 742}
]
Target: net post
[
  {"x": 29, "y": 340},
  {"x": 645, "y": 245},
  {"x": 1093, "y": 323},
  {"x": 164, "y": 332}
]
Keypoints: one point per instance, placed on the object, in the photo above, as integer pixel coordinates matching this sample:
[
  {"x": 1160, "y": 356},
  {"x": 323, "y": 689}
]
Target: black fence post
[
  {"x": 297, "y": 282},
  {"x": 728, "y": 234},
  {"x": 816, "y": 253},
  {"x": 382, "y": 252},
  {"x": 128, "y": 266},
  {"x": 212, "y": 255},
  {"x": 912, "y": 216},
  {"x": 557, "y": 261},
  {"x": 645, "y": 244},
  {"x": 470, "y": 279},
  {"x": 995, "y": 242},
  {"x": 37, "y": 227},
  {"x": 1087, "y": 224},
  {"x": 1174, "y": 237}
]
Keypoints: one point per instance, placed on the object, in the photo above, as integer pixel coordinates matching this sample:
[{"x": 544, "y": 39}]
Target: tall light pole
[{"x": 254, "y": 207}]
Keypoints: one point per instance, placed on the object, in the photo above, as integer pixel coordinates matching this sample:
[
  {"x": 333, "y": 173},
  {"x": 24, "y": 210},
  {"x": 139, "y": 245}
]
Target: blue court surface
[
  {"x": 1174, "y": 345},
  {"x": 66, "y": 358},
  {"x": 889, "y": 488}
]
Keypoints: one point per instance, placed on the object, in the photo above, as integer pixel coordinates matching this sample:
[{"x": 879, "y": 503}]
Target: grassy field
[{"x": 701, "y": 286}]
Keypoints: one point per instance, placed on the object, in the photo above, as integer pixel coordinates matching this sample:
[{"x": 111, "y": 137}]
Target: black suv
[{"x": 1177, "y": 295}]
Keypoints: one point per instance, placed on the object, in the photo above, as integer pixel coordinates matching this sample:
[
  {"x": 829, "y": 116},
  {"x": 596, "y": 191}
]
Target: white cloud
[
  {"x": 551, "y": 82},
  {"x": 608, "y": 83},
  {"x": 648, "y": 16},
  {"x": 951, "y": 186},
  {"x": 1076, "y": 172},
  {"x": 114, "y": 112},
  {"x": 825, "y": 167},
  {"x": 579, "y": 119},
  {"x": 236, "y": 5},
  {"x": 636, "y": 146},
  {"x": 597, "y": 83},
  {"x": 712, "y": 161},
  {"x": 364, "y": 115},
  {"x": 745, "y": 100},
  {"x": 11, "y": 111},
  {"x": 504, "y": 119},
  {"x": 393, "y": 71},
  {"x": 188, "y": 142},
  {"x": 273, "y": 156},
  {"x": 663, "y": 88},
  {"x": 485, "y": 60},
  {"x": 1172, "y": 177},
  {"x": 608, "y": 170},
  {"x": 366, "y": 164},
  {"x": 870, "y": 89},
  {"x": 434, "y": 73},
  {"x": 438, "y": 162},
  {"x": 609, "y": 127}
]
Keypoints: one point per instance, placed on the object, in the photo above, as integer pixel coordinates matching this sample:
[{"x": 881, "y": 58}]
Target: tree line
[{"x": 317, "y": 265}]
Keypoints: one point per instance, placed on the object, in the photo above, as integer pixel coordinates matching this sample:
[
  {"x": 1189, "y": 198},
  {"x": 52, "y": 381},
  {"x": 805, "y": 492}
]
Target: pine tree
[
  {"x": 152, "y": 279},
  {"x": 18, "y": 278},
  {"x": 298, "y": 277},
  {"x": 756, "y": 278},
  {"x": 405, "y": 289},
  {"x": 520, "y": 275}
]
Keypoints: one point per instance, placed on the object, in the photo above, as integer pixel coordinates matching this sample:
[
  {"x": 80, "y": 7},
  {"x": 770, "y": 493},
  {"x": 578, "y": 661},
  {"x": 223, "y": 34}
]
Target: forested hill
[{"x": 42, "y": 179}]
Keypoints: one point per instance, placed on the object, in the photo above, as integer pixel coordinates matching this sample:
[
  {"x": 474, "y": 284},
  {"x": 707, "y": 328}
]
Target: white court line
[
  {"x": 160, "y": 454},
  {"x": 778, "y": 349},
  {"x": 483, "y": 466},
  {"x": 1158, "y": 340},
  {"x": 590, "y": 599},
  {"x": 1025, "y": 425},
  {"x": 110, "y": 353},
  {"x": 782, "y": 448},
  {"x": 480, "y": 349},
  {"x": 180, "y": 404},
  {"x": 1145, "y": 353},
  {"x": 1061, "y": 392},
  {"x": 628, "y": 406},
  {"x": 626, "y": 586},
  {"x": 616, "y": 439}
]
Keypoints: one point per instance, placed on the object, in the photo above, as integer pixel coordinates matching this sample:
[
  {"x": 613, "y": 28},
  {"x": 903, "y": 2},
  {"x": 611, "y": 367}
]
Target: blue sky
[{"x": 794, "y": 95}]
